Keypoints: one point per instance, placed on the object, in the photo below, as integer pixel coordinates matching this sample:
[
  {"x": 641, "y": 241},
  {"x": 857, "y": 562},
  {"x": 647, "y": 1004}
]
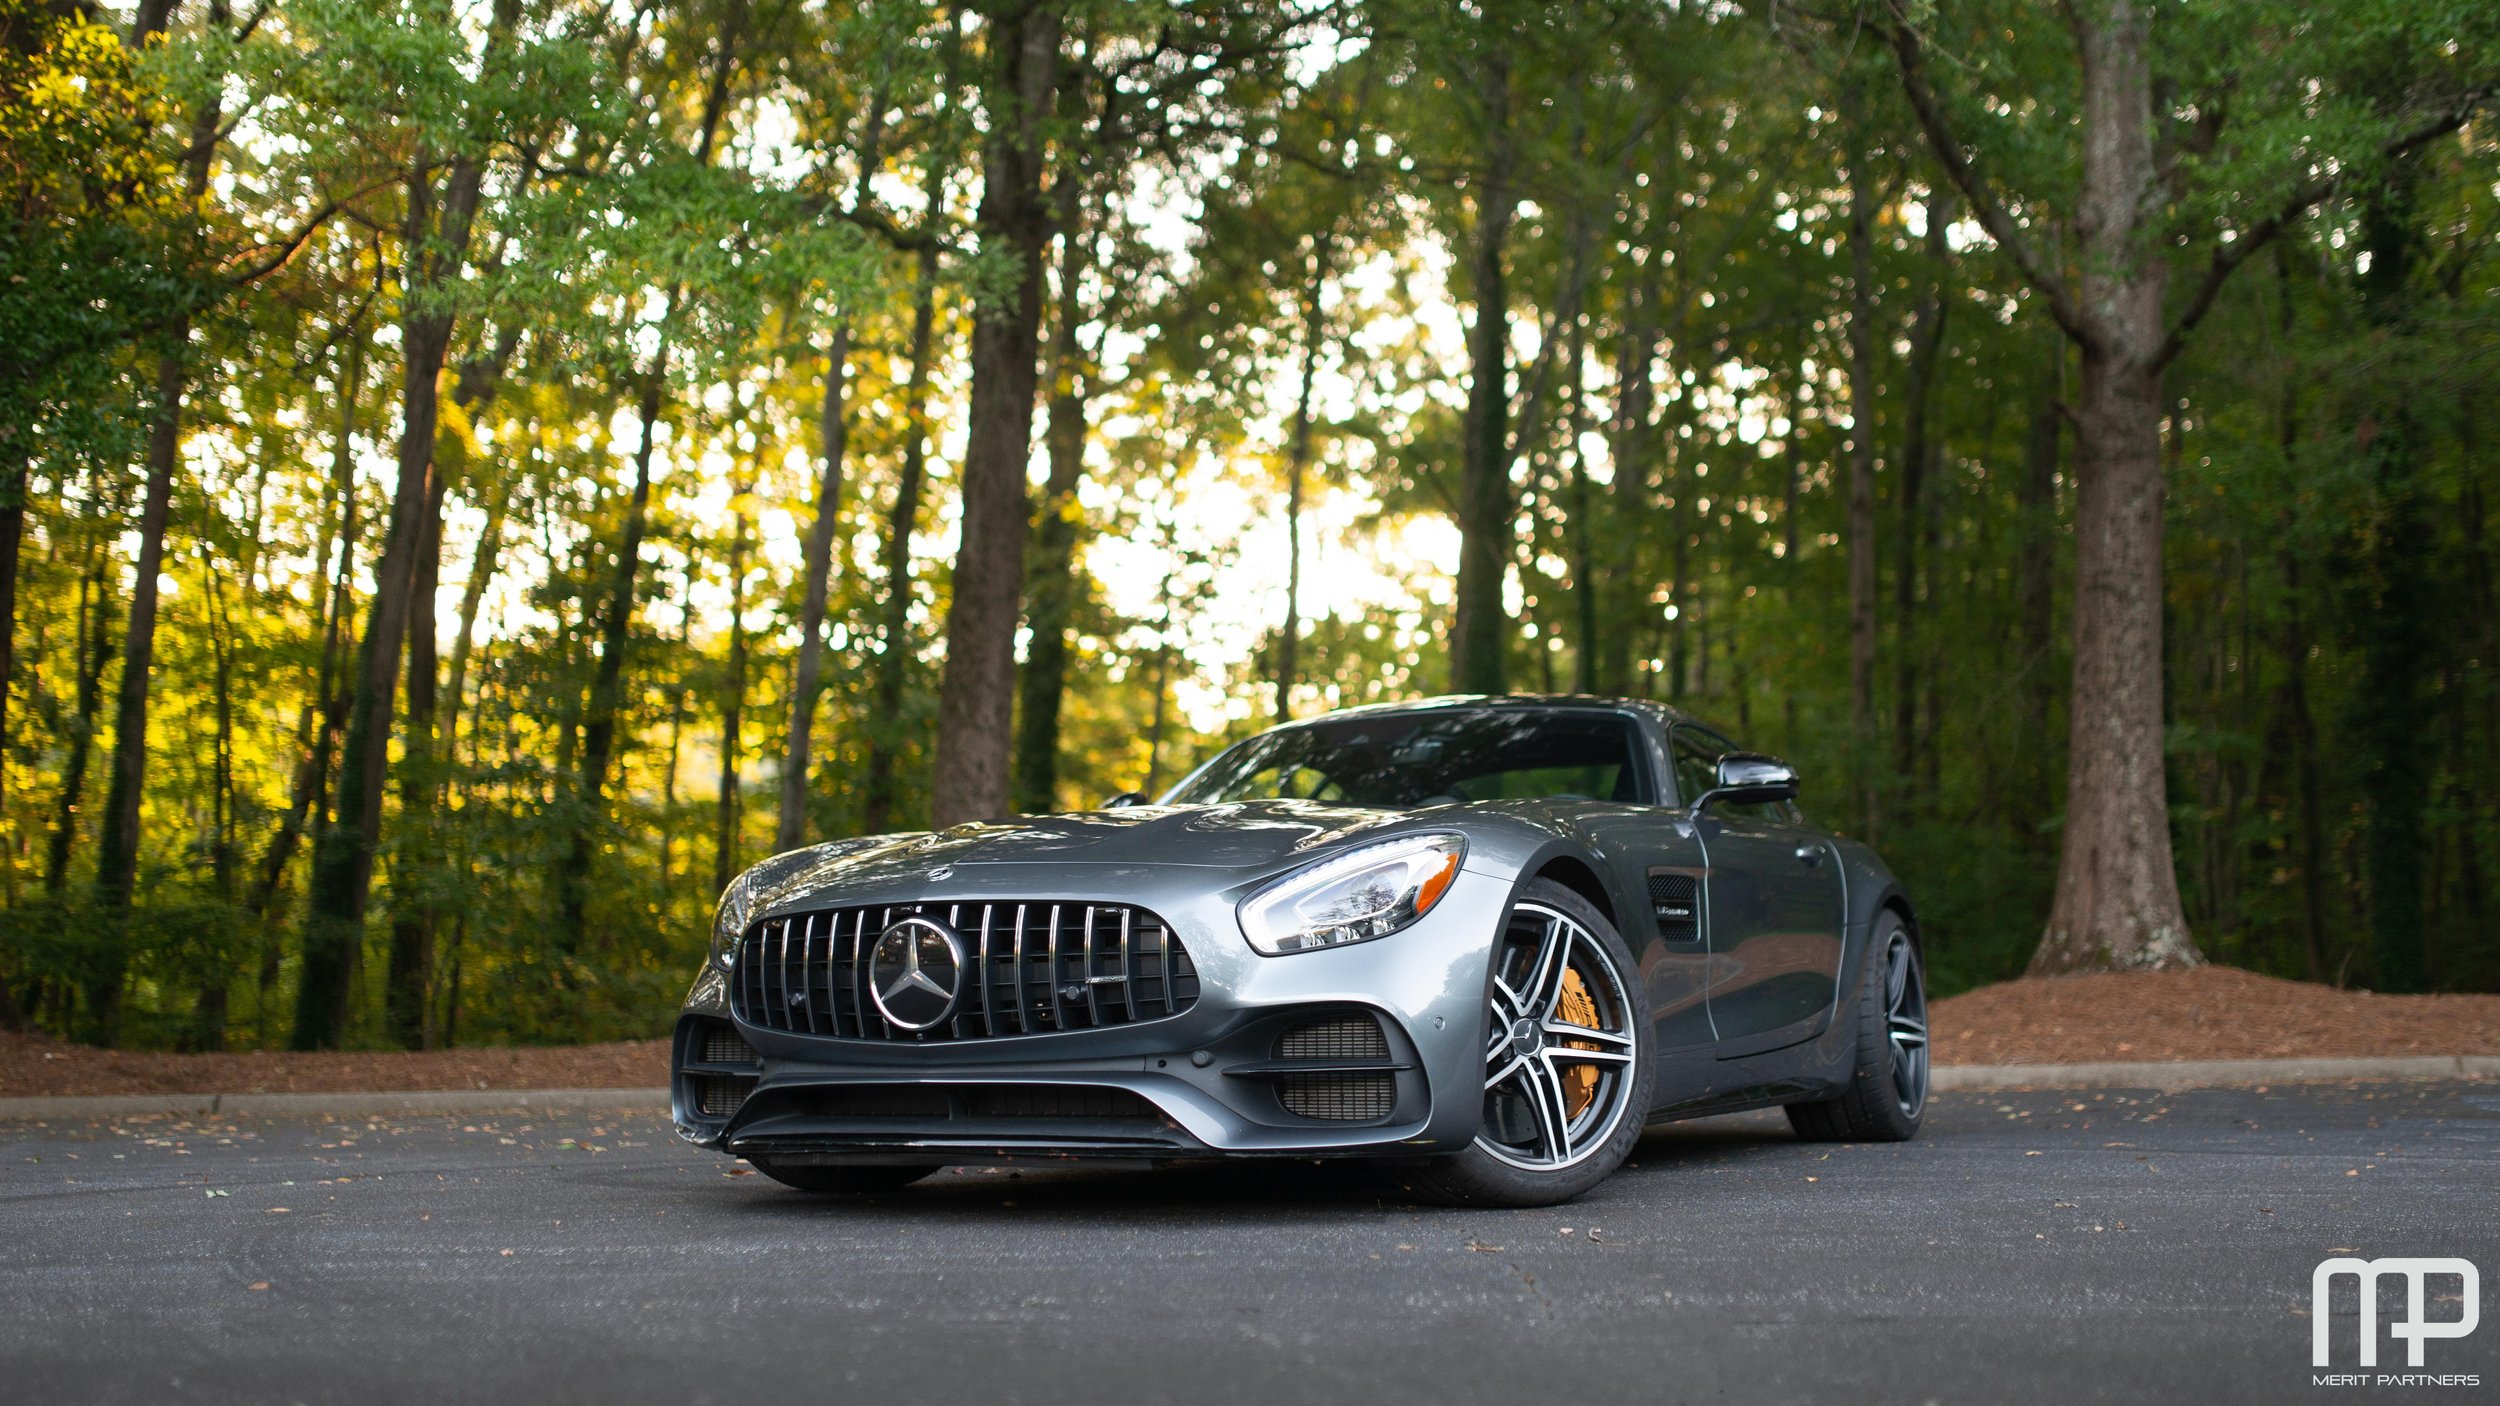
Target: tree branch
[
  {"x": 2228, "y": 257},
  {"x": 1993, "y": 216}
]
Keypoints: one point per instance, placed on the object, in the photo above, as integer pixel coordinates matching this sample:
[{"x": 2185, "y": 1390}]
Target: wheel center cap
[{"x": 1526, "y": 1037}]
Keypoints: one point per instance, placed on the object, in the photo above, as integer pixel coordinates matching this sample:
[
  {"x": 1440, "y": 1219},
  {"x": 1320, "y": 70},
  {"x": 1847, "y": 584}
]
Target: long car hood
[
  {"x": 1248, "y": 836},
  {"x": 1242, "y": 835}
]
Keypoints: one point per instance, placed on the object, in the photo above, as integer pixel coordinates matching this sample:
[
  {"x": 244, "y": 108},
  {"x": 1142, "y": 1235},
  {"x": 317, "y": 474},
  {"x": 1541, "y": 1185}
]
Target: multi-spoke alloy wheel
[
  {"x": 1887, "y": 1092},
  {"x": 1905, "y": 1023},
  {"x": 1558, "y": 1046},
  {"x": 1566, "y": 1060}
]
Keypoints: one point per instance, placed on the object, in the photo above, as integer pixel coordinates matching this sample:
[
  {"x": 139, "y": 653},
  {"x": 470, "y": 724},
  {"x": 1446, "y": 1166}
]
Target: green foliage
[{"x": 1263, "y": 182}]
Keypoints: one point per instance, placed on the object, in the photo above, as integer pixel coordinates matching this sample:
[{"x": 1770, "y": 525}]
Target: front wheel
[
  {"x": 1887, "y": 1094},
  {"x": 1567, "y": 1076}
]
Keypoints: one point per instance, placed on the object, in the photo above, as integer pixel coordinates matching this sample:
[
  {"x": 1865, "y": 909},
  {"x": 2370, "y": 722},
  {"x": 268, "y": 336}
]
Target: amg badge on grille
[{"x": 916, "y": 972}]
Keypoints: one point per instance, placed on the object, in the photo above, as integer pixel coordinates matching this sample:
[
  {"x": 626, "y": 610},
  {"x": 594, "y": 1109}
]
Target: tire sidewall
[{"x": 1477, "y": 1177}]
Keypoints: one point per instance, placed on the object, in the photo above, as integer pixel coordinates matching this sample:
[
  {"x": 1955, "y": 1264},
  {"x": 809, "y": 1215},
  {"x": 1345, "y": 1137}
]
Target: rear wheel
[
  {"x": 1567, "y": 1075},
  {"x": 1887, "y": 1094},
  {"x": 850, "y": 1180}
]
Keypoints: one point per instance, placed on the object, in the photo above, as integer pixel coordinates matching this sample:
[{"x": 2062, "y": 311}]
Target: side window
[{"x": 1696, "y": 764}]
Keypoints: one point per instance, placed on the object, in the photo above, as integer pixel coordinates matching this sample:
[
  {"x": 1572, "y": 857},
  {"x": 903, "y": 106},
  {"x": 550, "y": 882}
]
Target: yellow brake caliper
[{"x": 1578, "y": 1007}]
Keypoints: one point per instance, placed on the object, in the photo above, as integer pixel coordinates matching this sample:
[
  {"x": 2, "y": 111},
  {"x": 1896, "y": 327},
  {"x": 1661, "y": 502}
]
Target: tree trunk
[
  {"x": 342, "y": 879},
  {"x": 464, "y": 637},
  {"x": 1628, "y": 449},
  {"x": 2117, "y": 904},
  {"x": 117, "y": 842},
  {"x": 1911, "y": 511},
  {"x": 2391, "y": 715},
  {"x": 1860, "y": 529},
  {"x": 607, "y": 688},
  {"x": 407, "y": 986},
  {"x": 1050, "y": 586},
  {"x": 117, "y": 845},
  {"x": 95, "y": 648},
  {"x": 728, "y": 804},
  {"x": 1480, "y": 627},
  {"x": 977, "y": 692},
  {"x": 2035, "y": 613},
  {"x": 886, "y": 724},
  {"x": 1297, "y": 476},
  {"x": 833, "y": 434}
]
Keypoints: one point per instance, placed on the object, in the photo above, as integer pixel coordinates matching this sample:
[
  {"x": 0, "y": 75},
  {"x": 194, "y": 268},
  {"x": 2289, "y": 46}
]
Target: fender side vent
[{"x": 1675, "y": 902}]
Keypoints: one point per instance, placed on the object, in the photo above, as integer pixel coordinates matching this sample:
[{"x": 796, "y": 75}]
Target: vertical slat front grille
[{"x": 1031, "y": 969}]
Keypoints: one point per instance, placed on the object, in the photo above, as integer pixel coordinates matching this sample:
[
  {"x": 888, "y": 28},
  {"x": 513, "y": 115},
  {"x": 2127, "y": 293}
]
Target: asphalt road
[{"x": 2030, "y": 1247}]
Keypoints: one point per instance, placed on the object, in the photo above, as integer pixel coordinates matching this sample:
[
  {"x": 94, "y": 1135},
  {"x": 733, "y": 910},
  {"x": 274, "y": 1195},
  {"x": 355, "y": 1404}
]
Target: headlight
[
  {"x": 1372, "y": 892},
  {"x": 737, "y": 905}
]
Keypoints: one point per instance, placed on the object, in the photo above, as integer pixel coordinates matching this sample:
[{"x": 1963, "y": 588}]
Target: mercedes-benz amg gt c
[{"x": 1490, "y": 938}]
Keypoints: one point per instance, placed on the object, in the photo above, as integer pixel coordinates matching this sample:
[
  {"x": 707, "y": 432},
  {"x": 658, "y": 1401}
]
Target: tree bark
[
  {"x": 407, "y": 983},
  {"x": 342, "y": 879},
  {"x": 1911, "y": 511},
  {"x": 894, "y": 660},
  {"x": 1480, "y": 627},
  {"x": 728, "y": 804},
  {"x": 1050, "y": 585},
  {"x": 1860, "y": 529},
  {"x": 2391, "y": 716},
  {"x": 117, "y": 844},
  {"x": 833, "y": 434},
  {"x": 2117, "y": 903},
  {"x": 1628, "y": 450},
  {"x": 977, "y": 691},
  {"x": 95, "y": 648},
  {"x": 1297, "y": 475},
  {"x": 607, "y": 689}
]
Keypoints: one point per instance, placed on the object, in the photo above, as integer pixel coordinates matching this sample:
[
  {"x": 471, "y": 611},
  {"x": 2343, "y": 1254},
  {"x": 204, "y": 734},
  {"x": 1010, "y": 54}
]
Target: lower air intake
[
  {"x": 719, "y": 1095},
  {"x": 1340, "y": 1098},
  {"x": 1339, "y": 1037}
]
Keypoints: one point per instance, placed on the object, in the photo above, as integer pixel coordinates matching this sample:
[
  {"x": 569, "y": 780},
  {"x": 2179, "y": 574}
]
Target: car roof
[{"x": 1554, "y": 702}]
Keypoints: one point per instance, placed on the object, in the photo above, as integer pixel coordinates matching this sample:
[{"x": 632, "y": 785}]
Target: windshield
[{"x": 1401, "y": 761}]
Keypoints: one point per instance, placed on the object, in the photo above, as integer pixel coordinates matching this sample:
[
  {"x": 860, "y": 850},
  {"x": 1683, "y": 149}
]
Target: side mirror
[
  {"x": 1124, "y": 800},
  {"x": 1749, "y": 778}
]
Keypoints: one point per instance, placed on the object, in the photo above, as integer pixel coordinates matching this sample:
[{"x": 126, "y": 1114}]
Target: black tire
[
  {"x": 1887, "y": 1095},
  {"x": 1493, "y": 1172},
  {"x": 855, "y": 1181}
]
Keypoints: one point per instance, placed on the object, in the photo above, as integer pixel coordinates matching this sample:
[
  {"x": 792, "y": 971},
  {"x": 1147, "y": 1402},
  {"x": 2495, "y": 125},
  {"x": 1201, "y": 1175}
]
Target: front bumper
[{"x": 1206, "y": 1082}]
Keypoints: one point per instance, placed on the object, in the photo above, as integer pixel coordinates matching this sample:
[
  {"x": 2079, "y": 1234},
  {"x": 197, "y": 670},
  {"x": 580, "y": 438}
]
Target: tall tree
[
  {"x": 977, "y": 691},
  {"x": 2140, "y": 163}
]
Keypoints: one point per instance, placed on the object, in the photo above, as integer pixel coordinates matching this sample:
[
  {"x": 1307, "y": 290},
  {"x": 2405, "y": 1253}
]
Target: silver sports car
[{"x": 1489, "y": 938}]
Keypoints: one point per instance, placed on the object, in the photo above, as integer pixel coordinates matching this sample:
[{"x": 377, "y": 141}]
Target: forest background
[{"x": 474, "y": 474}]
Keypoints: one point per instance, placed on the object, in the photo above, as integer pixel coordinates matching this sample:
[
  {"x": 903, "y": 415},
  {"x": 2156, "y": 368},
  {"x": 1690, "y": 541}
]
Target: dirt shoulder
[
  {"x": 31, "y": 1066},
  {"x": 2209, "y": 1013}
]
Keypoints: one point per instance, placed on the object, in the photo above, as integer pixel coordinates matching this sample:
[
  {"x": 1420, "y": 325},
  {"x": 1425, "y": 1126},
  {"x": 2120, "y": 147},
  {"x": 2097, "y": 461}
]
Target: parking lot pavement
[{"x": 2095, "y": 1246}]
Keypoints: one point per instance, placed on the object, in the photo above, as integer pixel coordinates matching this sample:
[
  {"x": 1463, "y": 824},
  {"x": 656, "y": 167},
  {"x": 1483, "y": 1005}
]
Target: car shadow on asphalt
[{"x": 1282, "y": 1189}]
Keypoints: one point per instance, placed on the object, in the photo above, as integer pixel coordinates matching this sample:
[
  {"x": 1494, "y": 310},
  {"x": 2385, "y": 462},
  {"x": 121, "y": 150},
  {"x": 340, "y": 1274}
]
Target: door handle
[{"x": 1810, "y": 855}]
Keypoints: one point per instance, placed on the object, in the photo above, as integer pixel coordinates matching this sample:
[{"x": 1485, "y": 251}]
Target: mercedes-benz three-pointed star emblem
[{"x": 916, "y": 973}]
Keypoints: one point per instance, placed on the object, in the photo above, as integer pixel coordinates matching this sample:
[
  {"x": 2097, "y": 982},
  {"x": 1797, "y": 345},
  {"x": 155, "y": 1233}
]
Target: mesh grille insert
[
  {"x": 718, "y": 1095},
  {"x": 1031, "y": 968},
  {"x": 1339, "y": 1037},
  {"x": 722, "y": 1046},
  {"x": 1340, "y": 1098}
]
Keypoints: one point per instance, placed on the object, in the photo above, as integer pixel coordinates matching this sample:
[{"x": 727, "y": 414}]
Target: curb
[
  {"x": 1963, "y": 1078},
  {"x": 2210, "y": 1073},
  {"x": 443, "y": 1102}
]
